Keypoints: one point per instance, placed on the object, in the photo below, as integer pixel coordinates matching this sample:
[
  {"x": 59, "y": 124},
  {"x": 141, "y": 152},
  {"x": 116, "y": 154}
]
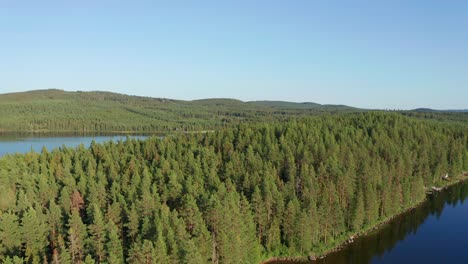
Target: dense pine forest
[
  {"x": 84, "y": 112},
  {"x": 239, "y": 194}
]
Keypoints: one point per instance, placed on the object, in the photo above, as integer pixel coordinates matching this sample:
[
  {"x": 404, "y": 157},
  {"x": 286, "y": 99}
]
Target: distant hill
[
  {"x": 441, "y": 111},
  {"x": 447, "y": 116},
  {"x": 284, "y": 104},
  {"x": 58, "y": 110},
  {"x": 305, "y": 105}
]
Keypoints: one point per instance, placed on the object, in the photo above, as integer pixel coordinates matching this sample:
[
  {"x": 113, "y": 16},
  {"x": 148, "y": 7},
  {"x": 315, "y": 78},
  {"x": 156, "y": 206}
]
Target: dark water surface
[
  {"x": 22, "y": 143},
  {"x": 435, "y": 232}
]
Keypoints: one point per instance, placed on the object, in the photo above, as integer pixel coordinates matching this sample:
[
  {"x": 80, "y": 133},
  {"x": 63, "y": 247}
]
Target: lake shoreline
[
  {"x": 21, "y": 144},
  {"x": 74, "y": 132},
  {"x": 447, "y": 184},
  {"x": 97, "y": 132}
]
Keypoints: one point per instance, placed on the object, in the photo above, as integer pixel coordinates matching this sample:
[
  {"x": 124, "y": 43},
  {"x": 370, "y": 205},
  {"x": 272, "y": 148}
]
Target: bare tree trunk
[{"x": 214, "y": 256}]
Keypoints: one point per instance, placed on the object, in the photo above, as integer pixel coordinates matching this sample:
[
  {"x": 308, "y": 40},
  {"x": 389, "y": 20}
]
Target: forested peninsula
[{"x": 241, "y": 194}]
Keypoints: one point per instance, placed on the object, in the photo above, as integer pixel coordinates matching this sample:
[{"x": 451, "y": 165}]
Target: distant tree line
[{"x": 55, "y": 110}]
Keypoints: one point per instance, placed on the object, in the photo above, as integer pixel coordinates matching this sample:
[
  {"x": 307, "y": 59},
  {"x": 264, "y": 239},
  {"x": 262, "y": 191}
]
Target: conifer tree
[
  {"x": 77, "y": 237},
  {"x": 34, "y": 234},
  {"x": 97, "y": 232},
  {"x": 114, "y": 244},
  {"x": 11, "y": 237}
]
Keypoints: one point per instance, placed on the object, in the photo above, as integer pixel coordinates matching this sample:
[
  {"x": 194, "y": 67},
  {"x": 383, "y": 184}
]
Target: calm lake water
[
  {"x": 435, "y": 232},
  {"x": 13, "y": 143}
]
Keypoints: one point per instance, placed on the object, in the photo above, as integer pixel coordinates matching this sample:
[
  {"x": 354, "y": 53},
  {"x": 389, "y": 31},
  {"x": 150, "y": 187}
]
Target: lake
[
  {"x": 434, "y": 232},
  {"x": 22, "y": 143}
]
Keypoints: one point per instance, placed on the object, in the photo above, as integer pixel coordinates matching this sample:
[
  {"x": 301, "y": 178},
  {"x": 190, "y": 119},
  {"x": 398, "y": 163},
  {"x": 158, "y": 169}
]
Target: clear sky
[{"x": 375, "y": 54}]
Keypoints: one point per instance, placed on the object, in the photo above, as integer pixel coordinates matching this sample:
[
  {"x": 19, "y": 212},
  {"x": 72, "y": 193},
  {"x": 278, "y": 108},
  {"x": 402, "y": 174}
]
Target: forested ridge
[
  {"x": 236, "y": 195},
  {"x": 60, "y": 111}
]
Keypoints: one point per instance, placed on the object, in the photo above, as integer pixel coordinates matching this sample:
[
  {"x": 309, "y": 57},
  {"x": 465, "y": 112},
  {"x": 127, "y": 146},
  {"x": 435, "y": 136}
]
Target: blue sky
[{"x": 374, "y": 54}]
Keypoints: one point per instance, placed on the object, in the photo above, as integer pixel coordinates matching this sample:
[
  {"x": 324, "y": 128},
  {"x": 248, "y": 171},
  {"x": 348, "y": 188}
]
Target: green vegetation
[
  {"x": 237, "y": 195},
  {"x": 56, "y": 110},
  {"x": 439, "y": 116}
]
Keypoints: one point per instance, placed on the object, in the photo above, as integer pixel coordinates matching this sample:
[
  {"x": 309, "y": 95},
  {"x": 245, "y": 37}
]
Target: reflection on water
[{"x": 435, "y": 232}]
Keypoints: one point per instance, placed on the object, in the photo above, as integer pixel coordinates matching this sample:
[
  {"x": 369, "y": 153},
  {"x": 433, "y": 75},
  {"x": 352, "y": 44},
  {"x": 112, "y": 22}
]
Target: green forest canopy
[
  {"x": 237, "y": 195},
  {"x": 56, "y": 110}
]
